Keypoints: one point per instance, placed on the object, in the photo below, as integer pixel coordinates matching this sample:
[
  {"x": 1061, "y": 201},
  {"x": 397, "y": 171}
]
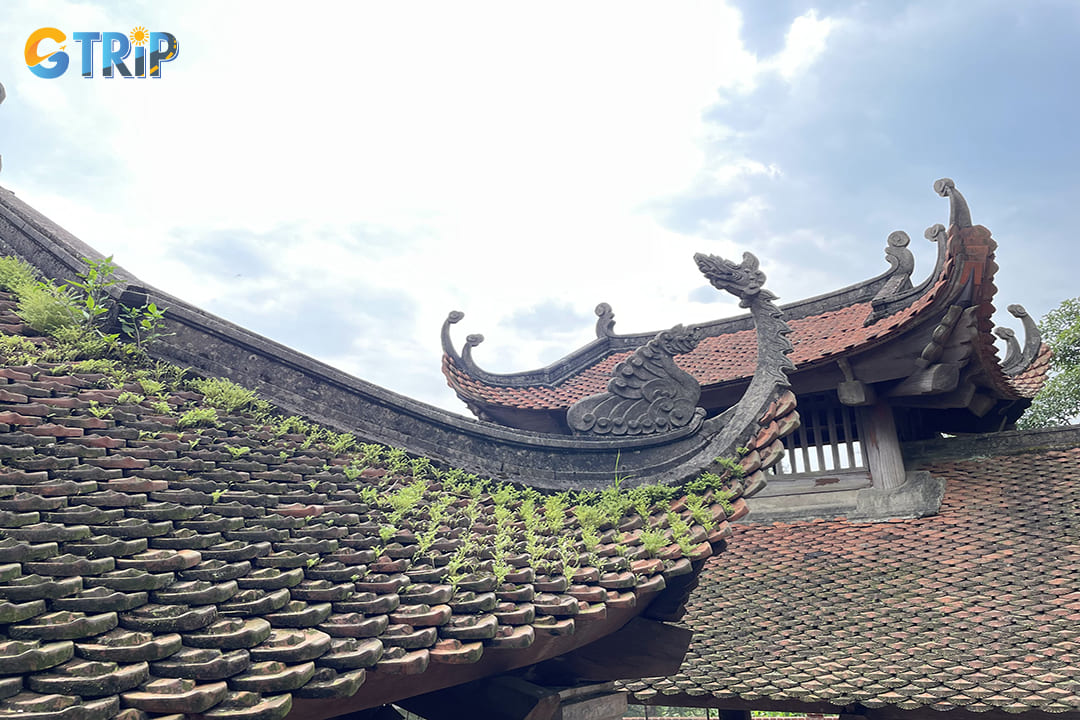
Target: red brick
[{"x": 53, "y": 430}]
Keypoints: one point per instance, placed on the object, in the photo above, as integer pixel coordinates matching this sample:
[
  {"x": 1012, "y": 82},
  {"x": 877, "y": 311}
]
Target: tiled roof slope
[
  {"x": 238, "y": 572},
  {"x": 977, "y": 607},
  {"x": 716, "y": 359}
]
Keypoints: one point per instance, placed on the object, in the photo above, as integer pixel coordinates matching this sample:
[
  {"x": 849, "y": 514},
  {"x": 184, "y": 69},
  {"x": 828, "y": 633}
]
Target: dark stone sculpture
[
  {"x": 902, "y": 264},
  {"x": 1017, "y": 359},
  {"x": 959, "y": 214},
  {"x": 647, "y": 393},
  {"x": 605, "y": 321},
  {"x": 746, "y": 281}
]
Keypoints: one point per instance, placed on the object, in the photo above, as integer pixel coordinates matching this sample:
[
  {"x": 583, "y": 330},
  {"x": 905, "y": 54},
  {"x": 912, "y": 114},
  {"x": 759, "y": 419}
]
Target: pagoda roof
[
  {"x": 840, "y": 325},
  {"x": 975, "y": 609}
]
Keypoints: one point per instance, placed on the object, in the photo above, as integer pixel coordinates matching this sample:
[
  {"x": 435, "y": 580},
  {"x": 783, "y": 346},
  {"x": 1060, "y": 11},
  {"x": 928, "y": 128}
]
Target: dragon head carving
[{"x": 744, "y": 280}]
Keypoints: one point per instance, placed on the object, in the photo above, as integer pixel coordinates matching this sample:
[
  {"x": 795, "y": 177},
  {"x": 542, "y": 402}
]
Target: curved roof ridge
[{"x": 607, "y": 343}]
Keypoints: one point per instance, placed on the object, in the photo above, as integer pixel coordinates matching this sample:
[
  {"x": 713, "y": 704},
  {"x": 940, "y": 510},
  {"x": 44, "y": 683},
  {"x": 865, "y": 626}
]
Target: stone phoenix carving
[{"x": 648, "y": 393}]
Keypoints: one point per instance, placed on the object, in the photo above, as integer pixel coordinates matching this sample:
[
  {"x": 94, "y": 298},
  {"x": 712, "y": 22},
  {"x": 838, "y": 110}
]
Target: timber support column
[{"x": 877, "y": 432}]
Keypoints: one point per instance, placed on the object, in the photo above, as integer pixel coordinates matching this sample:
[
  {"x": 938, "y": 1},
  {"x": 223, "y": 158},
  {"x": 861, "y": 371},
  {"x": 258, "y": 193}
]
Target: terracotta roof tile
[
  {"x": 234, "y": 570},
  {"x": 970, "y": 608}
]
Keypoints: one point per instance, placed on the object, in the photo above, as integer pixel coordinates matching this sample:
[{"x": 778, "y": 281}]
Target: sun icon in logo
[{"x": 139, "y": 35}]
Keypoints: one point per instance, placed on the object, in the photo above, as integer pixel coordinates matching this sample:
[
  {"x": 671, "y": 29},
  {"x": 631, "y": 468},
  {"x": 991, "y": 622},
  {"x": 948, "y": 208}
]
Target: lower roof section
[{"x": 976, "y": 608}]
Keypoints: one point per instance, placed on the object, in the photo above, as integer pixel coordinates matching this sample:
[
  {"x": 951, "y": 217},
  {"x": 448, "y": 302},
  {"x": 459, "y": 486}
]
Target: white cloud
[
  {"x": 520, "y": 150},
  {"x": 803, "y": 45}
]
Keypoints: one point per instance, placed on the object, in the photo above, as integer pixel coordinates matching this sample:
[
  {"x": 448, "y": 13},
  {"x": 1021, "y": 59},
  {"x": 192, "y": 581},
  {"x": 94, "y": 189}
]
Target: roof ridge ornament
[
  {"x": 648, "y": 393},
  {"x": 1017, "y": 360},
  {"x": 471, "y": 341},
  {"x": 745, "y": 281},
  {"x": 605, "y": 321},
  {"x": 959, "y": 214},
  {"x": 902, "y": 264}
]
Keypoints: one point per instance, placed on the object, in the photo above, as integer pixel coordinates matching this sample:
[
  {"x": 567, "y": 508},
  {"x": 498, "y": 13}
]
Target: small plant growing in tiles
[
  {"x": 198, "y": 417},
  {"x": 699, "y": 511},
  {"x": 405, "y": 499},
  {"x": 237, "y": 452},
  {"x": 680, "y": 531},
  {"x": 151, "y": 387},
  {"x": 653, "y": 541},
  {"x": 555, "y": 511},
  {"x": 98, "y": 410},
  {"x": 340, "y": 443},
  {"x": 144, "y": 325},
  {"x": 396, "y": 460},
  {"x": 500, "y": 570},
  {"x": 291, "y": 425},
  {"x": 224, "y": 394},
  {"x": 371, "y": 455},
  {"x": 161, "y": 407},
  {"x": 504, "y": 495},
  {"x": 129, "y": 398},
  {"x": 93, "y": 284}
]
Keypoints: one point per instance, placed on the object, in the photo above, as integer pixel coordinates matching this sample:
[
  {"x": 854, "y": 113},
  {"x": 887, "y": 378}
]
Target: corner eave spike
[{"x": 959, "y": 214}]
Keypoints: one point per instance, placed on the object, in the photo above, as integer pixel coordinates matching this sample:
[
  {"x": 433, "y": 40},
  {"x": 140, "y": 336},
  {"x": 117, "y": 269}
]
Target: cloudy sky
[{"x": 339, "y": 176}]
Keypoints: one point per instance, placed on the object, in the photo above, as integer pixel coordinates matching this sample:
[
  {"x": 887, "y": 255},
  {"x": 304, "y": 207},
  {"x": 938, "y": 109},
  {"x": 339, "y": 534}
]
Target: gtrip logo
[{"x": 46, "y": 56}]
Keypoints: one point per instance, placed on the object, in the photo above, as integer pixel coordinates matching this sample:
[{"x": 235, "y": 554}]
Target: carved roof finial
[
  {"x": 959, "y": 214},
  {"x": 744, "y": 280},
  {"x": 605, "y": 321},
  {"x": 1012, "y": 355},
  {"x": 1017, "y": 360},
  {"x": 902, "y": 264}
]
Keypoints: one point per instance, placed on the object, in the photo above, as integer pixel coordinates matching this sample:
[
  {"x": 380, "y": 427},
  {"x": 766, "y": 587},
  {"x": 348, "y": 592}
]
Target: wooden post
[{"x": 877, "y": 431}]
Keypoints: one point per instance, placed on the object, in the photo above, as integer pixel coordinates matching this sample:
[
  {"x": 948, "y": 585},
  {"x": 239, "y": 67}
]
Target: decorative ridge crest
[
  {"x": 895, "y": 294},
  {"x": 959, "y": 214},
  {"x": 1016, "y": 359},
  {"x": 745, "y": 281},
  {"x": 605, "y": 321},
  {"x": 648, "y": 393},
  {"x": 901, "y": 265}
]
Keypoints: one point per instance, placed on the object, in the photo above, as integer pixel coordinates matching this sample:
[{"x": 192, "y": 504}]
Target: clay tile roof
[
  {"x": 726, "y": 356},
  {"x": 977, "y": 607},
  {"x": 245, "y": 570}
]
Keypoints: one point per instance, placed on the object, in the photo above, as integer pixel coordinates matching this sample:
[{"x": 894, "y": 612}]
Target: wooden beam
[
  {"x": 931, "y": 380},
  {"x": 961, "y": 397},
  {"x": 642, "y": 648},
  {"x": 502, "y": 698}
]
